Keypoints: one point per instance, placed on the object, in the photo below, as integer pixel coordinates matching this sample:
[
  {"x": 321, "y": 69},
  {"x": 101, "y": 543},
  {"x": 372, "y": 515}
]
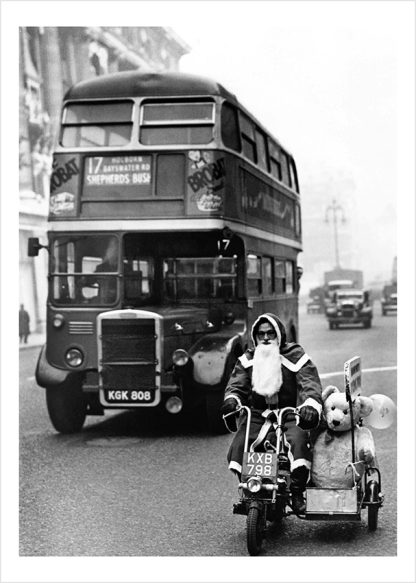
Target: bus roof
[
  {"x": 137, "y": 84},
  {"x": 148, "y": 84}
]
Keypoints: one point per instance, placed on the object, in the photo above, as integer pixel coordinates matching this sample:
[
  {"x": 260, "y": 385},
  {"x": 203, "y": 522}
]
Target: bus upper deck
[{"x": 170, "y": 146}]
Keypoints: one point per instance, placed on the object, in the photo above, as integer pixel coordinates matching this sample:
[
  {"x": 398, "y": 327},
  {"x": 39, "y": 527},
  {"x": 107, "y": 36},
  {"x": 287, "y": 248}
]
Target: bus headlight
[
  {"x": 58, "y": 321},
  {"x": 180, "y": 357},
  {"x": 74, "y": 357},
  {"x": 254, "y": 484}
]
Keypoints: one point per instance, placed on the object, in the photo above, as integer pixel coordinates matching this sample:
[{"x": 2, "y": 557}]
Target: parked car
[{"x": 349, "y": 306}]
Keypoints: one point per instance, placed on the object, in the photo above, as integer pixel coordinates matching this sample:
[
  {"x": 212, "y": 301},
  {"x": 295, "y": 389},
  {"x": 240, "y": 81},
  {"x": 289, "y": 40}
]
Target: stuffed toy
[{"x": 332, "y": 451}]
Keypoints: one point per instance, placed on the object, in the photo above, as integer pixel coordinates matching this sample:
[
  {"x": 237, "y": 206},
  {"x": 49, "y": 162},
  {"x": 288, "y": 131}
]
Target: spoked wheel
[
  {"x": 373, "y": 496},
  {"x": 256, "y": 523}
]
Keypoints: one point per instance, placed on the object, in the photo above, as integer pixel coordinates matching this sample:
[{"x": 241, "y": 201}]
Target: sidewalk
[{"x": 33, "y": 340}]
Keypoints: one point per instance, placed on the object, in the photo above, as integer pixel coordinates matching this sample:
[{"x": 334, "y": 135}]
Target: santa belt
[
  {"x": 271, "y": 417},
  {"x": 258, "y": 401}
]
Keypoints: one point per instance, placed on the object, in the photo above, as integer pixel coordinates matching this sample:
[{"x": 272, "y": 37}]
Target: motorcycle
[{"x": 264, "y": 488}]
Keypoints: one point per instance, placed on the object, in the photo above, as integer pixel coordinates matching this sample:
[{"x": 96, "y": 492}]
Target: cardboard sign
[{"x": 352, "y": 376}]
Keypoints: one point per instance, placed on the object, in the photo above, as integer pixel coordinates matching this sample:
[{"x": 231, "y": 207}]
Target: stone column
[{"x": 53, "y": 76}]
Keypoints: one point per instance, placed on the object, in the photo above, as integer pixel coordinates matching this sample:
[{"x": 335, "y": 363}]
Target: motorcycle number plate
[{"x": 263, "y": 464}]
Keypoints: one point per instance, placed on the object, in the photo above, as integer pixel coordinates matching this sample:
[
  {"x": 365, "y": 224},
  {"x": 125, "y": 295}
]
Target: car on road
[
  {"x": 349, "y": 306},
  {"x": 314, "y": 305},
  {"x": 389, "y": 299}
]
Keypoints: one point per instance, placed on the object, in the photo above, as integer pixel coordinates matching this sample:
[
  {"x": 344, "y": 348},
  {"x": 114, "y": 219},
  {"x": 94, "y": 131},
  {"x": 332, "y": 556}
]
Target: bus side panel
[
  {"x": 205, "y": 189},
  {"x": 65, "y": 185}
]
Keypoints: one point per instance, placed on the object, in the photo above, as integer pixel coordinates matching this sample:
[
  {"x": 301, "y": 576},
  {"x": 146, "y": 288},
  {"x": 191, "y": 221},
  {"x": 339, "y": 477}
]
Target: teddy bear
[{"x": 332, "y": 451}]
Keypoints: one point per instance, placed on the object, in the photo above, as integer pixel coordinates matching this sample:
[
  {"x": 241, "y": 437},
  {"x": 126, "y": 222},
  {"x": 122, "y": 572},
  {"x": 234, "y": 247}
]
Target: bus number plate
[
  {"x": 259, "y": 464},
  {"x": 128, "y": 396}
]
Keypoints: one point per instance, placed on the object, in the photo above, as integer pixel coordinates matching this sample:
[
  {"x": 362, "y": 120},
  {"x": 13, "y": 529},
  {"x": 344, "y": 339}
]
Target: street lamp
[{"x": 333, "y": 210}]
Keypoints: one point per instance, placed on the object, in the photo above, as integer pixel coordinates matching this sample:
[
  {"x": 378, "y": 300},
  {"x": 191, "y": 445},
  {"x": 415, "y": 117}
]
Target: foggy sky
[{"x": 323, "y": 78}]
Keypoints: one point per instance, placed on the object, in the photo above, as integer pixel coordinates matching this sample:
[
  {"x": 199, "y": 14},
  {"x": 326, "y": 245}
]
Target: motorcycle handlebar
[{"x": 280, "y": 412}]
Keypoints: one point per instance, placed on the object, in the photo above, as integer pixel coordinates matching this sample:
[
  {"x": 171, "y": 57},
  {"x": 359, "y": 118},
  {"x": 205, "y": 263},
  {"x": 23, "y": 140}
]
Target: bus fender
[
  {"x": 47, "y": 375},
  {"x": 214, "y": 356}
]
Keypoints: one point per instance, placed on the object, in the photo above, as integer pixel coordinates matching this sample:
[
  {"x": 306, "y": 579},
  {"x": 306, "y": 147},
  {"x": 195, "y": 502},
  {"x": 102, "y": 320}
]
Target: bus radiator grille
[
  {"x": 128, "y": 377},
  {"x": 128, "y": 341}
]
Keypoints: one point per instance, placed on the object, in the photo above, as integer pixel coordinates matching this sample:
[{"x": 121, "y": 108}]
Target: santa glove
[
  {"x": 308, "y": 417},
  {"x": 230, "y": 406}
]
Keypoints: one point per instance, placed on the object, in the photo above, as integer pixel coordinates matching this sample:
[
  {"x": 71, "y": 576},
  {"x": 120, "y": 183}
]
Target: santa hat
[{"x": 277, "y": 324}]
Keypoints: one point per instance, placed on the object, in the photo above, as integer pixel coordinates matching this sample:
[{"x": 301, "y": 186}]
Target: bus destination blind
[{"x": 117, "y": 175}]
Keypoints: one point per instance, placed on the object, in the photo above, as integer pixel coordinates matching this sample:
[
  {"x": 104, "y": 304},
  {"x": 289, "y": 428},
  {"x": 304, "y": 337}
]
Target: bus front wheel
[{"x": 67, "y": 406}]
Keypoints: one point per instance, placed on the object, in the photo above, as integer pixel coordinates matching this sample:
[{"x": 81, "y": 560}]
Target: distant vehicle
[
  {"x": 353, "y": 275},
  {"x": 314, "y": 305},
  {"x": 389, "y": 299},
  {"x": 335, "y": 284},
  {"x": 333, "y": 280},
  {"x": 349, "y": 306}
]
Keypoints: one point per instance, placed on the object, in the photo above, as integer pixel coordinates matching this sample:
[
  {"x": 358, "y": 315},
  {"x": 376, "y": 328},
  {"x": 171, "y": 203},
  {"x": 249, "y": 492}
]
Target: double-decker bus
[{"x": 174, "y": 222}]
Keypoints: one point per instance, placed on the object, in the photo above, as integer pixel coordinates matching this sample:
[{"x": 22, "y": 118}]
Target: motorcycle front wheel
[{"x": 256, "y": 523}]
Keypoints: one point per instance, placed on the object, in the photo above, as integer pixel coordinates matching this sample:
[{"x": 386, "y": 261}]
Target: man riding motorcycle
[{"x": 272, "y": 375}]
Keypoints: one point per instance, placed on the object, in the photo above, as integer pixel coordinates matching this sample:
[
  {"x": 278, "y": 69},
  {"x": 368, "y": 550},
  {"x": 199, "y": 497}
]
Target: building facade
[{"x": 52, "y": 59}]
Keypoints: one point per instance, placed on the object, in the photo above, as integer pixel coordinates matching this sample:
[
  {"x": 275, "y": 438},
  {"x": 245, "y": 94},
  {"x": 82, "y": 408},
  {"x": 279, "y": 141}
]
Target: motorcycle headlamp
[
  {"x": 254, "y": 484},
  {"x": 180, "y": 357},
  {"x": 74, "y": 357}
]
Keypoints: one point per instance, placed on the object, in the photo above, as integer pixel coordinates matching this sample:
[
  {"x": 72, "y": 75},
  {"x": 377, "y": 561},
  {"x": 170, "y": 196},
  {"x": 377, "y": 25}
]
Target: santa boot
[{"x": 299, "y": 477}]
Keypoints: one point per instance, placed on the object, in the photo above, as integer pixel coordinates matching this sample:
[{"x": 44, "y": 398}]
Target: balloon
[{"x": 383, "y": 413}]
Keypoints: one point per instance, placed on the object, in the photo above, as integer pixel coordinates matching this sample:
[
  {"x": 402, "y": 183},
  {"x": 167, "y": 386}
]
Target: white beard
[{"x": 267, "y": 370}]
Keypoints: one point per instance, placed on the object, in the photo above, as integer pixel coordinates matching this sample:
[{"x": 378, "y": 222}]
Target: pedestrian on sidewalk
[{"x": 24, "y": 322}]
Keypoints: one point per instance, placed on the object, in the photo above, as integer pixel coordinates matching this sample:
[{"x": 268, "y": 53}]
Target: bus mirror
[
  {"x": 33, "y": 247},
  {"x": 299, "y": 272}
]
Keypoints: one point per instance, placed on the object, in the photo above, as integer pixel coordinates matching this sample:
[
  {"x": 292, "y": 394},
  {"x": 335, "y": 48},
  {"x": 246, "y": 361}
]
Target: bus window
[
  {"x": 76, "y": 261},
  {"x": 170, "y": 176},
  {"x": 247, "y": 138},
  {"x": 261, "y": 144},
  {"x": 289, "y": 277},
  {"x": 275, "y": 165},
  {"x": 138, "y": 279},
  {"x": 176, "y": 123},
  {"x": 293, "y": 175},
  {"x": 254, "y": 283},
  {"x": 268, "y": 275},
  {"x": 285, "y": 168},
  {"x": 202, "y": 277},
  {"x": 229, "y": 127},
  {"x": 279, "y": 276},
  {"x": 97, "y": 124},
  {"x": 297, "y": 220}
]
